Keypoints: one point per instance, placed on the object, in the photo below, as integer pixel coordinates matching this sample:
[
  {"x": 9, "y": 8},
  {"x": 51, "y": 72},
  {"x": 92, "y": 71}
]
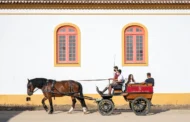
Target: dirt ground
[
  {"x": 158, "y": 113},
  {"x": 78, "y": 116}
]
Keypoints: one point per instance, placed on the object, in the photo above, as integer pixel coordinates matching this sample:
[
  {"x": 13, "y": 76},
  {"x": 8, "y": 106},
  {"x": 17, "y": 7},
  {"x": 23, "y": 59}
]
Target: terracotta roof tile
[{"x": 94, "y": 1}]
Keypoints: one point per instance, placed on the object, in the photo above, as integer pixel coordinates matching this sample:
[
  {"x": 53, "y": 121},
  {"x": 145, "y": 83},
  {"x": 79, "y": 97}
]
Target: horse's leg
[
  {"x": 83, "y": 104},
  {"x": 51, "y": 105},
  {"x": 43, "y": 103},
  {"x": 73, "y": 104}
]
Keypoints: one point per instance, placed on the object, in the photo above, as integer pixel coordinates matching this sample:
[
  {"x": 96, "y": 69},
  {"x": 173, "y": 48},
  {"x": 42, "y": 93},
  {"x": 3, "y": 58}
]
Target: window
[
  {"x": 67, "y": 45},
  {"x": 134, "y": 45}
]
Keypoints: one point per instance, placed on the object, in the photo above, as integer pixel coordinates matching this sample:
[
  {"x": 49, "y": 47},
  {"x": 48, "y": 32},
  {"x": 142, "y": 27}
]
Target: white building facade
[{"x": 81, "y": 44}]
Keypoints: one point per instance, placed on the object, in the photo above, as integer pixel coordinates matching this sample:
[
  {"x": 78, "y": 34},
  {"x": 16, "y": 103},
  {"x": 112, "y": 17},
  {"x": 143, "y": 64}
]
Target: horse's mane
[{"x": 38, "y": 82}]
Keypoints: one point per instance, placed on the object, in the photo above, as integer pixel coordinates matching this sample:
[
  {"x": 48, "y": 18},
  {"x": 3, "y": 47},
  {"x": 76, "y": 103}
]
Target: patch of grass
[{"x": 7, "y": 107}]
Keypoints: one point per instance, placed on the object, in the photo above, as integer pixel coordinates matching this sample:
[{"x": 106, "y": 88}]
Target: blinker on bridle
[{"x": 29, "y": 87}]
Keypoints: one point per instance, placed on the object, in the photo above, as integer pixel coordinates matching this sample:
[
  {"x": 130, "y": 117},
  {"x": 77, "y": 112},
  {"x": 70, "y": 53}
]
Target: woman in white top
[{"x": 130, "y": 79}]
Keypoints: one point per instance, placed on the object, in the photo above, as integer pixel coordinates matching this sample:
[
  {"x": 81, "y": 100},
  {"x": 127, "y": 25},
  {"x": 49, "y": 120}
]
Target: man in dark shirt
[{"x": 149, "y": 79}]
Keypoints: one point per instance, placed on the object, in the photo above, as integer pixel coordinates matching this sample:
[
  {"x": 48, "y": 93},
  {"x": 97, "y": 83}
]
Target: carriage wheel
[
  {"x": 105, "y": 107},
  {"x": 130, "y": 103},
  {"x": 140, "y": 106}
]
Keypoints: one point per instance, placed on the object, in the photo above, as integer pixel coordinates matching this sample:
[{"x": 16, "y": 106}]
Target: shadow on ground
[
  {"x": 7, "y": 112},
  {"x": 152, "y": 111},
  {"x": 5, "y": 116},
  {"x": 156, "y": 109}
]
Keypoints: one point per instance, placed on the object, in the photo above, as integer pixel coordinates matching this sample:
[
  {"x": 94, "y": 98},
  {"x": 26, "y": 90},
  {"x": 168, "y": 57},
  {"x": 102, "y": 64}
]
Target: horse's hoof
[
  {"x": 46, "y": 108},
  {"x": 69, "y": 112},
  {"x": 87, "y": 112},
  {"x": 50, "y": 112}
]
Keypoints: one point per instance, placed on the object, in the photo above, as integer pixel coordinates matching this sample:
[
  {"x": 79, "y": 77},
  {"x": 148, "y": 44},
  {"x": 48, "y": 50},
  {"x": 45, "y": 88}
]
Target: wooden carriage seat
[
  {"x": 118, "y": 88},
  {"x": 139, "y": 90},
  {"x": 136, "y": 84}
]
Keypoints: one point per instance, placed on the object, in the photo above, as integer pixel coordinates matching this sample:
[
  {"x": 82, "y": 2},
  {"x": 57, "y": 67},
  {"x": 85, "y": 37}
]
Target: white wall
[{"x": 27, "y": 50}]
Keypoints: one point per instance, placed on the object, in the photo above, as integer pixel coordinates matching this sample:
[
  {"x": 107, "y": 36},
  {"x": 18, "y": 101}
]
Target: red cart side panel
[{"x": 139, "y": 89}]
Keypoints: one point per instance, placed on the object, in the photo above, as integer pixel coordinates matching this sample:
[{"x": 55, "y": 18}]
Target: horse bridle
[{"x": 33, "y": 90}]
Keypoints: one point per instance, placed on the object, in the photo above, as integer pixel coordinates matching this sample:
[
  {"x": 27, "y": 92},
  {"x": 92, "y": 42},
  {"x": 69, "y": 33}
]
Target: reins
[
  {"x": 96, "y": 80},
  {"x": 93, "y": 80},
  {"x": 35, "y": 90},
  {"x": 60, "y": 93},
  {"x": 73, "y": 92}
]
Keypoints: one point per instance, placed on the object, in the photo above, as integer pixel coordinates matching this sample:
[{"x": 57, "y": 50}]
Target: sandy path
[{"x": 78, "y": 116}]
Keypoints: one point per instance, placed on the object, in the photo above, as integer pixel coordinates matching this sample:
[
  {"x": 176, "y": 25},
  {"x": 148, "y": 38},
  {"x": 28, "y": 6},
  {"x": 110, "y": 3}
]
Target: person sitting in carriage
[
  {"x": 115, "y": 76},
  {"x": 130, "y": 79},
  {"x": 115, "y": 82},
  {"x": 149, "y": 79}
]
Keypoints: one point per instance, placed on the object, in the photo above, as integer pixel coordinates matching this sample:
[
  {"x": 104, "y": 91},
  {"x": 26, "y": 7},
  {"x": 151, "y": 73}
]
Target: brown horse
[{"x": 52, "y": 88}]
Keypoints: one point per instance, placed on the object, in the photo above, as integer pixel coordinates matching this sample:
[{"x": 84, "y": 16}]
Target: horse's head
[{"x": 30, "y": 88}]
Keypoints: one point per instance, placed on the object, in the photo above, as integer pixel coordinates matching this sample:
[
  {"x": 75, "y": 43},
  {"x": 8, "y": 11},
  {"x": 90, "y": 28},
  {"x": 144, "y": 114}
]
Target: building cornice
[
  {"x": 94, "y": 1},
  {"x": 94, "y": 4}
]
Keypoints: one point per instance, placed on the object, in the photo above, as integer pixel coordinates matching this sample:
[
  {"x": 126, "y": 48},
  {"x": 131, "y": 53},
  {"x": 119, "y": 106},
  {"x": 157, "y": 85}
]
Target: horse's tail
[
  {"x": 82, "y": 99},
  {"x": 80, "y": 90}
]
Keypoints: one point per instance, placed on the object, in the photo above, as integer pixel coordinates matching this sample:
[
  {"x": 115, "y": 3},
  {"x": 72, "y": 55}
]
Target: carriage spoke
[
  {"x": 141, "y": 106},
  {"x": 105, "y": 107}
]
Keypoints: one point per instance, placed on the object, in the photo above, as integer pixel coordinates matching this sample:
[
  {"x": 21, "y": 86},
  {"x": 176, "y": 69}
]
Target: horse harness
[
  {"x": 53, "y": 88},
  {"x": 71, "y": 87}
]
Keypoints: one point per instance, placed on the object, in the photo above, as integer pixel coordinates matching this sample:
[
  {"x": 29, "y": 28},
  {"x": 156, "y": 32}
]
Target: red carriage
[{"x": 138, "y": 95}]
